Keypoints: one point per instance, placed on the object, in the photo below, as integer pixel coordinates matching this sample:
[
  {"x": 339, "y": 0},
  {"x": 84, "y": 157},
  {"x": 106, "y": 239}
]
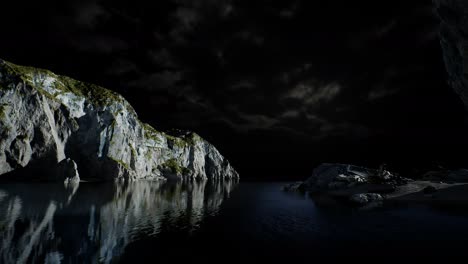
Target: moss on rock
[
  {"x": 175, "y": 141},
  {"x": 132, "y": 149},
  {"x": 95, "y": 94},
  {"x": 110, "y": 122},
  {"x": 174, "y": 166},
  {"x": 192, "y": 139},
  {"x": 2, "y": 111},
  {"x": 123, "y": 164},
  {"x": 150, "y": 132},
  {"x": 22, "y": 137}
]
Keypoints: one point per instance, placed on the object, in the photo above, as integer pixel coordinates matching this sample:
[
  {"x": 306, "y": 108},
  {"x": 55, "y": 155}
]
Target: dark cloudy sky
[{"x": 277, "y": 86}]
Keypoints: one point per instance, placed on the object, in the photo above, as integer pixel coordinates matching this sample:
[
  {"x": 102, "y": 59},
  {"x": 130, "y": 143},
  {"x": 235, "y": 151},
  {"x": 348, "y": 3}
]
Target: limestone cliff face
[
  {"x": 47, "y": 119},
  {"x": 454, "y": 42}
]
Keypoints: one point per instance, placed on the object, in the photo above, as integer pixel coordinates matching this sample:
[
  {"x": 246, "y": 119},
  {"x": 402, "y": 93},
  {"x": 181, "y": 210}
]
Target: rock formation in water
[
  {"x": 454, "y": 41},
  {"x": 330, "y": 177},
  {"x": 55, "y": 126},
  {"x": 362, "y": 186},
  {"x": 369, "y": 188}
]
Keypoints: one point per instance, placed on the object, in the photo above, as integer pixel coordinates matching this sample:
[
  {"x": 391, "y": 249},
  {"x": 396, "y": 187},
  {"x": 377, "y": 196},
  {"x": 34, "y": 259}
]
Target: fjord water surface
[{"x": 155, "y": 222}]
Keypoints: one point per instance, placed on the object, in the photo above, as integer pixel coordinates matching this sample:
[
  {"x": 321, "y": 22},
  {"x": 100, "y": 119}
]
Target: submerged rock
[{"x": 46, "y": 119}]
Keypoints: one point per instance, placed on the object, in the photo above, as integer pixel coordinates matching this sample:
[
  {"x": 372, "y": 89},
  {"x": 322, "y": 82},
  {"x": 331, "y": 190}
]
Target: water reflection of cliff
[{"x": 94, "y": 223}]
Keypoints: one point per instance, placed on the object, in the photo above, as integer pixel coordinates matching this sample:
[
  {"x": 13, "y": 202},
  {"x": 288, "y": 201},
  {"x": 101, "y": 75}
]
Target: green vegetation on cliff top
[{"x": 97, "y": 95}]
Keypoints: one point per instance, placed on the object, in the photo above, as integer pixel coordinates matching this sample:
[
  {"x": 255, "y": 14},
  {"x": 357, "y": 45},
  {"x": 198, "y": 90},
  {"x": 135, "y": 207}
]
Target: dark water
[{"x": 151, "y": 222}]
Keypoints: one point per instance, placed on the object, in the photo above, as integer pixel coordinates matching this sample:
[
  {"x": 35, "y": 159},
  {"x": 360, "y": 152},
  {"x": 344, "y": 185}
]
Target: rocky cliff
[
  {"x": 53, "y": 126},
  {"x": 454, "y": 41}
]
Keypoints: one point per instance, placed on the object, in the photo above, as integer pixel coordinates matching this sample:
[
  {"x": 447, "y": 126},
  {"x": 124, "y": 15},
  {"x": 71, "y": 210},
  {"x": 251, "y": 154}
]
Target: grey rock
[
  {"x": 67, "y": 171},
  {"x": 336, "y": 176},
  {"x": 46, "y": 119},
  {"x": 360, "y": 186},
  {"x": 454, "y": 42},
  {"x": 366, "y": 198},
  {"x": 384, "y": 175},
  {"x": 331, "y": 176}
]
